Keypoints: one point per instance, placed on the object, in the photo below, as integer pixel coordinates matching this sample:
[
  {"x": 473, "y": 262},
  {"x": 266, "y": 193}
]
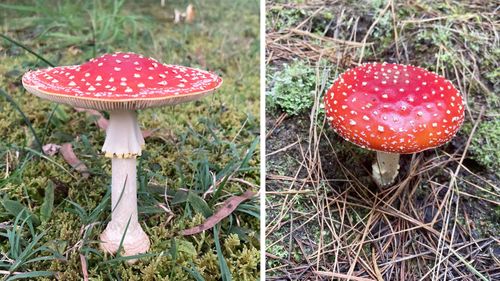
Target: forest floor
[
  {"x": 198, "y": 155},
  {"x": 325, "y": 217}
]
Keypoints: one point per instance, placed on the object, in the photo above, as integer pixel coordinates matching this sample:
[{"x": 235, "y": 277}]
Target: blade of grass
[
  {"x": 25, "y": 119},
  {"x": 224, "y": 269},
  {"x": 27, "y": 49},
  {"x": 32, "y": 274},
  {"x": 193, "y": 272}
]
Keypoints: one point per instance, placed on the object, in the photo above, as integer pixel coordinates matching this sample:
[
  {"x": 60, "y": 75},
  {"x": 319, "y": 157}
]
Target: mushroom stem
[
  {"x": 386, "y": 168},
  {"x": 123, "y": 143},
  {"x": 123, "y": 135}
]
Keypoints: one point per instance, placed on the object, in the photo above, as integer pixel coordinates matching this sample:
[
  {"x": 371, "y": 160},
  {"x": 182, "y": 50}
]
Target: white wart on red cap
[
  {"x": 121, "y": 81},
  {"x": 394, "y": 108}
]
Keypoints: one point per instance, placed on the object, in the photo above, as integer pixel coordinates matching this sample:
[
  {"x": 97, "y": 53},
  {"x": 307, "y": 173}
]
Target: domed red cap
[
  {"x": 121, "y": 81},
  {"x": 394, "y": 108}
]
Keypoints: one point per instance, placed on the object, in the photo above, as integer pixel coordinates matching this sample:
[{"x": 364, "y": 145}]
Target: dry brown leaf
[
  {"x": 147, "y": 133},
  {"x": 227, "y": 208},
  {"x": 102, "y": 122},
  {"x": 69, "y": 156},
  {"x": 85, "y": 272},
  {"x": 51, "y": 149}
]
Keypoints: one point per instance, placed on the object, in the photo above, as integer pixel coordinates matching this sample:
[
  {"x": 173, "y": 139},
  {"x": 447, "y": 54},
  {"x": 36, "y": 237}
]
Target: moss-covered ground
[
  {"x": 208, "y": 143},
  {"x": 325, "y": 217}
]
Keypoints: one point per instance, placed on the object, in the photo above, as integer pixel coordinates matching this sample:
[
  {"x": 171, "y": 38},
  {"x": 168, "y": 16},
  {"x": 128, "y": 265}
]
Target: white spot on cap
[
  {"x": 352, "y": 122},
  {"x": 434, "y": 125},
  {"x": 128, "y": 90},
  {"x": 98, "y": 78},
  {"x": 87, "y": 74},
  {"x": 163, "y": 83},
  {"x": 344, "y": 106},
  {"x": 72, "y": 83},
  {"x": 385, "y": 96},
  {"x": 140, "y": 85},
  {"x": 91, "y": 88},
  {"x": 364, "y": 83},
  {"x": 366, "y": 118},
  {"x": 380, "y": 128},
  {"x": 136, "y": 75},
  {"x": 117, "y": 69},
  {"x": 420, "y": 113}
]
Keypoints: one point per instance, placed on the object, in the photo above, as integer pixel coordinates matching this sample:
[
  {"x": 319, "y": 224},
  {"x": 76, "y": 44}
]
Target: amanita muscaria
[
  {"x": 393, "y": 109},
  {"x": 122, "y": 83}
]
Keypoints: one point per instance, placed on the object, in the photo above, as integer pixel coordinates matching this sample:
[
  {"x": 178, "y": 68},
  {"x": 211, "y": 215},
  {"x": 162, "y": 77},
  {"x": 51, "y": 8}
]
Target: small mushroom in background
[
  {"x": 190, "y": 13},
  {"x": 122, "y": 83},
  {"x": 188, "y": 16},
  {"x": 393, "y": 109}
]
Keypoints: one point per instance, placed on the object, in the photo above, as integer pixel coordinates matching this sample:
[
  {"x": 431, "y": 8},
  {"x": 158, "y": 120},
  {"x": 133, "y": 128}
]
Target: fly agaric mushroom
[
  {"x": 393, "y": 109},
  {"x": 122, "y": 83}
]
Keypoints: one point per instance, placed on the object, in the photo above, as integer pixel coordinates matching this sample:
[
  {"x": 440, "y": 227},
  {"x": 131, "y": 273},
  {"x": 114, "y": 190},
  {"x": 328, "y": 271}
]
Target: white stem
[
  {"x": 386, "y": 168},
  {"x": 123, "y": 141},
  {"x": 123, "y": 135}
]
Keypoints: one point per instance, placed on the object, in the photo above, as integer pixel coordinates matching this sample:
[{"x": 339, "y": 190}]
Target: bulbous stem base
[{"x": 124, "y": 222}]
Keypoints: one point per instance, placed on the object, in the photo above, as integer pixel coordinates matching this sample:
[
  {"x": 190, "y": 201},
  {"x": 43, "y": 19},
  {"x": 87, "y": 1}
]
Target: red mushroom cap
[
  {"x": 394, "y": 108},
  {"x": 121, "y": 81}
]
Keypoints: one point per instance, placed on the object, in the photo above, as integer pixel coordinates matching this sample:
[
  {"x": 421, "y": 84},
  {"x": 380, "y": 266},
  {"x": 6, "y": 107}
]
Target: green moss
[
  {"x": 212, "y": 135},
  {"x": 293, "y": 88},
  {"x": 485, "y": 145}
]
